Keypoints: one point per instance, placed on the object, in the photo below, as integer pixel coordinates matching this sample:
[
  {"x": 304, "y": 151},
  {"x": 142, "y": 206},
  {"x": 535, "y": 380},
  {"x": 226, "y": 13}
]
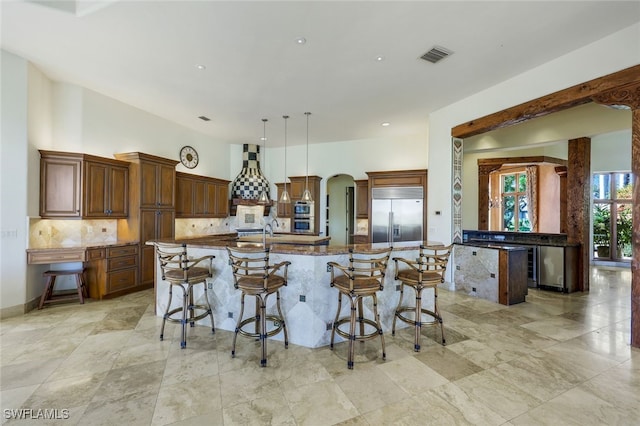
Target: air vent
[
  {"x": 203, "y": 118},
  {"x": 436, "y": 54}
]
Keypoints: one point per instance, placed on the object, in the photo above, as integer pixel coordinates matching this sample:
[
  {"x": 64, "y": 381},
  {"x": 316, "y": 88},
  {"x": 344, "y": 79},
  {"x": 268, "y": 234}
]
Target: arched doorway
[{"x": 340, "y": 224}]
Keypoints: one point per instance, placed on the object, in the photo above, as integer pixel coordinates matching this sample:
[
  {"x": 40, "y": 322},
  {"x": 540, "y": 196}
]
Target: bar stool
[
  {"x": 254, "y": 276},
  {"x": 362, "y": 277},
  {"x": 49, "y": 297},
  {"x": 182, "y": 272},
  {"x": 427, "y": 271}
]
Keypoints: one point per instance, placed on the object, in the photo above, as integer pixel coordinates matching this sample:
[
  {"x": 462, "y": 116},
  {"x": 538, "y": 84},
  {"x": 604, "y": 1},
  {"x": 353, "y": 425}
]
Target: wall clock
[{"x": 189, "y": 157}]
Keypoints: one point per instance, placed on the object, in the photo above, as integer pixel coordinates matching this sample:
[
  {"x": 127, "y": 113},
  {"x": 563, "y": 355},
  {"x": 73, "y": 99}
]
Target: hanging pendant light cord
[
  {"x": 306, "y": 182},
  {"x": 285, "y": 151}
]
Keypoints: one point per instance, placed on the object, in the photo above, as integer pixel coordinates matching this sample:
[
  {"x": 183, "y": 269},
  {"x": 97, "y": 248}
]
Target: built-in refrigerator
[{"x": 397, "y": 214}]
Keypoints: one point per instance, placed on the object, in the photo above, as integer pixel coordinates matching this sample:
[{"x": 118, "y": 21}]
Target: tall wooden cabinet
[
  {"x": 74, "y": 185},
  {"x": 362, "y": 198},
  {"x": 296, "y": 188},
  {"x": 152, "y": 202},
  {"x": 201, "y": 196}
]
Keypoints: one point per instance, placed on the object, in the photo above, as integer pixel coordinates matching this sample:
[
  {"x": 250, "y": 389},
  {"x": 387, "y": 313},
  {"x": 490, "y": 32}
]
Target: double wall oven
[{"x": 303, "y": 220}]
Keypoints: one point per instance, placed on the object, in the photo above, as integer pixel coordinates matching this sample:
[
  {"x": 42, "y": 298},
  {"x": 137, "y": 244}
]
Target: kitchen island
[{"x": 308, "y": 302}]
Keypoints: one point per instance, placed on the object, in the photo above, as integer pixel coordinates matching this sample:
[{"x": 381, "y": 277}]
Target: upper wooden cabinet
[
  {"x": 362, "y": 198},
  {"x": 201, "y": 196},
  {"x": 75, "y": 185},
  {"x": 296, "y": 188}
]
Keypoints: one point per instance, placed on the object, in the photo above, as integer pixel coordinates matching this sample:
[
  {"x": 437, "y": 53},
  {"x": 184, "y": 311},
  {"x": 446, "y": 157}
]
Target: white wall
[
  {"x": 611, "y": 152},
  {"x": 610, "y": 54},
  {"x": 13, "y": 182}
]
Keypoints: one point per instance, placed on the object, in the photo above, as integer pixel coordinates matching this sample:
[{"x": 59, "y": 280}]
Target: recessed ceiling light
[
  {"x": 263, "y": 139},
  {"x": 201, "y": 67},
  {"x": 385, "y": 124},
  {"x": 301, "y": 40},
  {"x": 379, "y": 58}
]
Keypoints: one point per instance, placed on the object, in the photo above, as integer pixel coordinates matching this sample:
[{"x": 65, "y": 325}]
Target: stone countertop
[
  {"x": 80, "y": 245},
  {"x": 517, "y": 238},
  {"x": 497, "y": 245},
  {"x": 214, "y": 242}
]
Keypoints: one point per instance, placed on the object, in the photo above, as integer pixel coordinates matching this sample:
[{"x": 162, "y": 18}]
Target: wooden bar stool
[
  {"x": 49, "y": 297},
  {"x": 362, "y": 277}
]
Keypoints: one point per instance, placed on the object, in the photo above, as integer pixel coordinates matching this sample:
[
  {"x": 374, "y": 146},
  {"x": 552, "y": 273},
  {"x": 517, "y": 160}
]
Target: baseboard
[{"x": 14, "y": 311}]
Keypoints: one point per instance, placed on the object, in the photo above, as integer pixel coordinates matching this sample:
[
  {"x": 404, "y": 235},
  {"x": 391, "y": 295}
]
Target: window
[
  {"x": 611, "y": 215},
  {"x": 514, "y": 202}
]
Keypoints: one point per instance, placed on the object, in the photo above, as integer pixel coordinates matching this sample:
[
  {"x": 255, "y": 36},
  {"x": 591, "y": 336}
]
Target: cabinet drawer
[
  {"x": 121, "y": 280},
  {"x": 122, "y": 251},
  {"x": 95, "y": 254},
  {"x": 121, "y": 262},
  {"x": 56, "y": 256}
]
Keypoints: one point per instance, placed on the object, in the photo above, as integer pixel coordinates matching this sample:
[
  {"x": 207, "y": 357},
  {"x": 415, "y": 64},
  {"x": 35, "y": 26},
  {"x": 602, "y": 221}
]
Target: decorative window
[
  {"x": 513, "y": 205},
  {"x": 611, "y": 215}
]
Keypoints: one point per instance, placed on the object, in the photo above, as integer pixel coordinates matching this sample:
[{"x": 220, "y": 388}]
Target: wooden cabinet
[
  {"x": 152, "y": 186},
  {"x": 362, "y": 198},
  {"x": 296, "y": 188},
  {"x": 201, "y": 196},
  {"x": 74, "y": 185},
  {"x": 108, "y": 190},
  {"x": 284, "y": 209},
  {"x": 112, "y": 271},
  {"x": 360, "y": 239},
  {"x": 157, "y": 180}
]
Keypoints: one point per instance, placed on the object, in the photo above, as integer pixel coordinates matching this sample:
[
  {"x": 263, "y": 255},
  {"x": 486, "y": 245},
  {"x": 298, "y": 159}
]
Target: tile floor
[{"x": 554, "y": 360}]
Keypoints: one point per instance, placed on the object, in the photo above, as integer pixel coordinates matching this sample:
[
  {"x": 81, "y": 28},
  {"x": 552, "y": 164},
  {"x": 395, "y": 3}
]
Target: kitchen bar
[{"x": 308, "y": 302}]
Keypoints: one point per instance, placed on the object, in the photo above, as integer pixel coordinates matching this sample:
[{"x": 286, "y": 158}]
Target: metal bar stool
[
  {"x": 182, "y": 272},
  {"x": 362, "y": 277},
  {"x": 427, "y": 271},
  {"x": 48, "y": 296},
  {"x": 254, "y": 276}
]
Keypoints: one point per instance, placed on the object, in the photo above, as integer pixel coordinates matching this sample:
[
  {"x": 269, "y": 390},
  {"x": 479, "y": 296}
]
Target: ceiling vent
[
  {"x": 436, "y": 54},
  {"x": 203, "y": 118}
]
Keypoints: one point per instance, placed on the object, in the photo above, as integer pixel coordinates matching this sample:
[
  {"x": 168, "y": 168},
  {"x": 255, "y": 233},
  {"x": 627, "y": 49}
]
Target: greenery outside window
[
  {"x": 515, "y": 202},
  {"x": 612, "y": 218}
]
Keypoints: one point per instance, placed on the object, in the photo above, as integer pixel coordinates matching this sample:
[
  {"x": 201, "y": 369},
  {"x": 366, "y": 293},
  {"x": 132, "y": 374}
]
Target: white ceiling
[{"x": 145, "y": 53}]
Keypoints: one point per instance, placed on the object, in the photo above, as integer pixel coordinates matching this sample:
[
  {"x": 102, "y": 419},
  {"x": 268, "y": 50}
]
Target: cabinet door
[
  {"x": 166, "y": 185},
  {"x": 149, "y": 185},
  {"x": 184, "y": 197},
  {"x": 95, "y": 191},
  {"x": 222, "y": 200},
  {"x": 362, "y": 199},
  {"x": 297, "y": 188},
  {"x": 60, "y": 187},
  {"x": 284, "y": 210},
  {"x": 165, "y": 224},
  {"x": 118, "y": 191},
  {"x": 200, "y": 194},
  {"x": 148, "y": 225}
]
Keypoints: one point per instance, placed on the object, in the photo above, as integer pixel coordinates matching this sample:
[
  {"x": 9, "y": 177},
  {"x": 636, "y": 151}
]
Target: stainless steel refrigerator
[{"x": 397, "y": 214}]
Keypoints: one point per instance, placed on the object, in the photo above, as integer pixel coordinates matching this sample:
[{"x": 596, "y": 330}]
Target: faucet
[{"x": 264, "y": 233}]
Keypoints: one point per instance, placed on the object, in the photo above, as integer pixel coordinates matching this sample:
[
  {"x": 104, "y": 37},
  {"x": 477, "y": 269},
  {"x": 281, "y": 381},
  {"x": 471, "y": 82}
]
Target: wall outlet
[
  {"x": 492, "y": 275},
  {"x": 397, "y": 287},
  {"x": 329, "y": 326},
  {"x": 210, "y": 286},
  {"x": 328, "y": 268},
  {"x": 229, "y": 314},
  {"x": 303, "y": 298},
  {"x": 104, "y": 229}
]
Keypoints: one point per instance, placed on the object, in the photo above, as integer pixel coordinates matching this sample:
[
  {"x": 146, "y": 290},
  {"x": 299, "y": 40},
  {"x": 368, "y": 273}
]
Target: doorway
[{"x": 340, "y": 215}]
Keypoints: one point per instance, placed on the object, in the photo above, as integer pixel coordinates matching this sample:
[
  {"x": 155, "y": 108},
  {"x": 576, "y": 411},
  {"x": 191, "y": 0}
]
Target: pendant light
[
  {"x": 306, "y": 195},
  {"x": 264, "y": 197},
  {"x": 284, "y": 197}
]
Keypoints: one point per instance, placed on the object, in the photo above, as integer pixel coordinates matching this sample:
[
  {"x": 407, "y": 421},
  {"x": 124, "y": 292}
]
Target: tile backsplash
[{"x": 45, "y": 233}]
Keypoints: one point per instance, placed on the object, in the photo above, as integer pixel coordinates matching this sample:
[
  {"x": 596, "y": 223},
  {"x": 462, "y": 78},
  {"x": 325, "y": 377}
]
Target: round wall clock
[{"x": 189, "y": 157}]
